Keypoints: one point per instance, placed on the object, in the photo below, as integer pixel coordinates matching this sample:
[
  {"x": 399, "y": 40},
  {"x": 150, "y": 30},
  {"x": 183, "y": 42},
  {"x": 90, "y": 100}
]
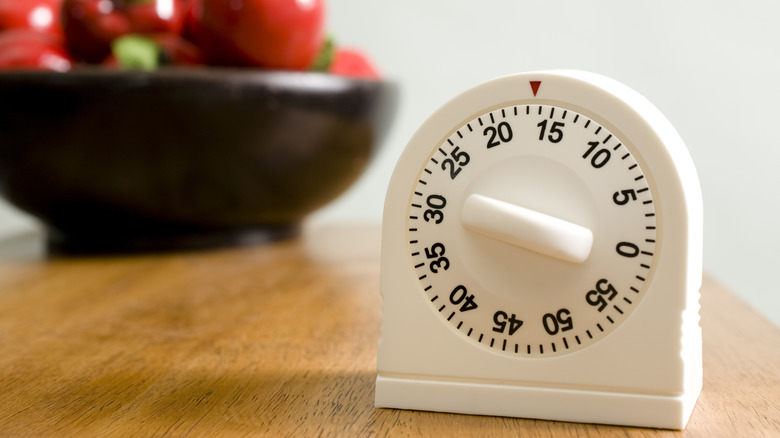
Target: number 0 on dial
[{"x": 542, "y": 258}]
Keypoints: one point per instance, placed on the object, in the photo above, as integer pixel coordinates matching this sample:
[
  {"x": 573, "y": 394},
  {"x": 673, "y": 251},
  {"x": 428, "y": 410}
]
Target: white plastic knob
[{"x": 526, "y": 228}]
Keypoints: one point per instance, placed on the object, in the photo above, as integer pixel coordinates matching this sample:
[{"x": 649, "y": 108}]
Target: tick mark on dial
[
  {"x": 609, "y": 318},
  {"x": 600, "y": 327},
  {"x": 576, "y": 117},
  {"x": 451, "y": 315},
  {"x": 459, "y": 134},
  {"x": 598, "y": 130},
  {"x": 639, "y": 177},
  {"x": 617, "y": 147},
  {"x": 492, "y": 120},
  {"x": 607, "y": 139},
  {"x": 552, "y": 112},
  {"x": 479, "y": 119},
  {"x": 481, "y": 335},
  {"x": 627, "y": 300},
  {"x": 619, "y": 310},
  {"x": 469, "y": 126},
  {"x": 450, "y": 142},
  {"x": 416, "y": 205},
  {"x": 419, "y": 265},
  {"x": 634, "y": 289}
]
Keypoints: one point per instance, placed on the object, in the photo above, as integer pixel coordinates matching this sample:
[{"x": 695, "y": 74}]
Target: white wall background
[{"x": 713, "y": 67}]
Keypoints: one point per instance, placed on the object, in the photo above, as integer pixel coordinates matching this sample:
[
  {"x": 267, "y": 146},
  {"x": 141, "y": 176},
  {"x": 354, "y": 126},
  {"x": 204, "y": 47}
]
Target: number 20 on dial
[{"x": 542, "y": 258}]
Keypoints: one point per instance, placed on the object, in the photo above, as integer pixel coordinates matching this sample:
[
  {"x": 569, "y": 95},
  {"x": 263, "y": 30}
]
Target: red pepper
[
  {"x": 352, "y": 63},
  {"x": 91, "y": 25},
  {"x": 274, "y": 34},
  {"x": 41, "y": 15},
  {"x": 29, "y": 49}
]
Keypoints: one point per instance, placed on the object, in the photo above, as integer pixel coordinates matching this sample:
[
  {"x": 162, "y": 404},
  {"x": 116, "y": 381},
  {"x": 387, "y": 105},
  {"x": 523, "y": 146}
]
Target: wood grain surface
[{"x": 267, "y": 341}]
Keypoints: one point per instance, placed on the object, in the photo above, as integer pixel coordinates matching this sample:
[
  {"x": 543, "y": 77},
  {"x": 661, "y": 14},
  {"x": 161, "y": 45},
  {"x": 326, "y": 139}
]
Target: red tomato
[
  {"x": 30, "y": 49},
  {"x": 42, "y": 15},
  {"x": 91, "y": 25},
  {"x": 275, "y": 34},
  {"x": 352, "y": 63}
]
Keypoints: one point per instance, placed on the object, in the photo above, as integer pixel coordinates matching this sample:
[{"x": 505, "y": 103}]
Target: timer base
[{"x": 580, "y": 406}]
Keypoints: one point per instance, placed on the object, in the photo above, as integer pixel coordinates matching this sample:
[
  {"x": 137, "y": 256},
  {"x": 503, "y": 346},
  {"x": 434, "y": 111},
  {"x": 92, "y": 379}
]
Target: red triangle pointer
[{"x": 535, "y": 86}]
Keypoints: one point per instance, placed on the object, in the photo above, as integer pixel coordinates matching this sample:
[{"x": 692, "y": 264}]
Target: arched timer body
[{"x": 542, "y": 258}]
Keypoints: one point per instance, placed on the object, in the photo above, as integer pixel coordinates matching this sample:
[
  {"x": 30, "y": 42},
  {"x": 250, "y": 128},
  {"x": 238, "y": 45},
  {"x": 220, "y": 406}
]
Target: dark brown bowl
[{"x": 172, "y": 159}]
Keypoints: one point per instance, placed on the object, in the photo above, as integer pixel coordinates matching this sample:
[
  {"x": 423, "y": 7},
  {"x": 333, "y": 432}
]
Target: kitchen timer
[{"x": 542, "y": 258}]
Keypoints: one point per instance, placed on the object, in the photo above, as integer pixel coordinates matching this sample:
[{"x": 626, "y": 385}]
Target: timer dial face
[{"x": 532, "y": 229}]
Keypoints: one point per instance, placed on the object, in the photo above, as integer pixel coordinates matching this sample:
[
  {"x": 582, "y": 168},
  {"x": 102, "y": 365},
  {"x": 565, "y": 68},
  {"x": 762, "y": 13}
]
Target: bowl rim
[{"x": 201, "y": 75}]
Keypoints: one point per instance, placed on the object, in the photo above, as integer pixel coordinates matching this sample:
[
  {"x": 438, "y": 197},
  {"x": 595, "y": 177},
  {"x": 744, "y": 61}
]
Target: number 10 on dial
[{"x": 541, "y": 258}]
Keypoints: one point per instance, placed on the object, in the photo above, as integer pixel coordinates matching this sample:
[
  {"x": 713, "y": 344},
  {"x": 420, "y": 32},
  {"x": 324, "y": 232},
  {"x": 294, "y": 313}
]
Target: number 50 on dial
[{"x": 541, "y": 258}]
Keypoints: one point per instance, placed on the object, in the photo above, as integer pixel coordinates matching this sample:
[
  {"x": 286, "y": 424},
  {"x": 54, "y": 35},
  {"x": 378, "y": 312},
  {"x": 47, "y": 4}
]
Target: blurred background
[{"x": 713, "y": 67}]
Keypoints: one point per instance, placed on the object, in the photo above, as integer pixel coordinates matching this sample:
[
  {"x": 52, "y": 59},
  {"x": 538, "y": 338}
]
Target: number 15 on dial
[{"x": 541, "y": 258}]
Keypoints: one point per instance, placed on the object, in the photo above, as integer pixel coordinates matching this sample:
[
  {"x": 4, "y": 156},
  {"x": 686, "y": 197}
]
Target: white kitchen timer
[{"x": 542, "y": 258}]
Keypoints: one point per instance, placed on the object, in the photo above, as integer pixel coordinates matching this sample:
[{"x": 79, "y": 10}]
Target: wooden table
[{"x": 271, "y": 341}]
